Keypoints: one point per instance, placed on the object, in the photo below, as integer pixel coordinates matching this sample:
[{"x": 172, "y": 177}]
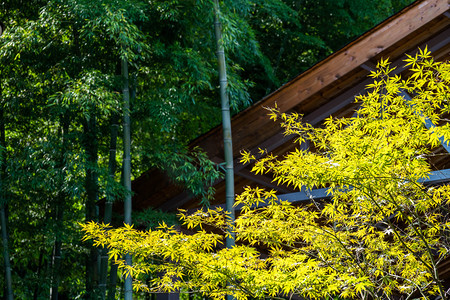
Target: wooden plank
[{"x": 435, "y": 178}]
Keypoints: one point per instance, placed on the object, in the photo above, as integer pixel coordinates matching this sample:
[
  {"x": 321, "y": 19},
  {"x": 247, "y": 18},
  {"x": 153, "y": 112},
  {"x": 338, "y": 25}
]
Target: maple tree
[{"x": 383, "y": 232}]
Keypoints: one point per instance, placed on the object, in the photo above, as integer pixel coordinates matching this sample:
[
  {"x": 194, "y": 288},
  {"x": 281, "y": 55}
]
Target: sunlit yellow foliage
[{"x": 381, "y": 234}]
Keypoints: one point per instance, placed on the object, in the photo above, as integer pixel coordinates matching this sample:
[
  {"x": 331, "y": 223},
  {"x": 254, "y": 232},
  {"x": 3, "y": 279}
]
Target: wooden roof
[{"x": 328, "y": 88}]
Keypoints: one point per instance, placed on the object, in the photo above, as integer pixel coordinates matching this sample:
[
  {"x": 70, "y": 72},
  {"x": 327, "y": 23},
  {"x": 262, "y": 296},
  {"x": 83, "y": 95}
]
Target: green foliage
[
  {"x": 298, "y": 34},
  {"x": 191, "y": 169},
  {"x": 59, "y": 65},
  {"x": 382, "y": 234}
]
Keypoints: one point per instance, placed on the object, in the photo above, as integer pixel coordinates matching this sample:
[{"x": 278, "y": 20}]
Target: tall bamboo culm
[
  {"x": 127, "y": 168},
  {"x": 226, "y": 126},
  {"x": 226, "y": 121}
]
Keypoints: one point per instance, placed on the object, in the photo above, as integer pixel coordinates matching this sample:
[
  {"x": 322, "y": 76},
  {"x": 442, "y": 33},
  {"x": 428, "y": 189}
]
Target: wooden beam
[
  {"x": 435, "y": 178},
  {"x": 339, "y": 102},
  {"x": 357, "y": 53}
]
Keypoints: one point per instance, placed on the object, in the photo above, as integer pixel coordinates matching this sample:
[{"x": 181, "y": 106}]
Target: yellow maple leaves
[{"x": 382, "y": 233}]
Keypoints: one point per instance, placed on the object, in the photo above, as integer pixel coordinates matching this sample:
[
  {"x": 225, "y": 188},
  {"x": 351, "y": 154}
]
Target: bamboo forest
[{"x": 106, "y": 104}]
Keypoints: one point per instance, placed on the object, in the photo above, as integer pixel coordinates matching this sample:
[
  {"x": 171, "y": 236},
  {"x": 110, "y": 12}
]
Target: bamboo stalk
[
  {"x": 226, "y": 128},
  {"x": 128, "y": 293},
  {"x": 226, "y": 123}
]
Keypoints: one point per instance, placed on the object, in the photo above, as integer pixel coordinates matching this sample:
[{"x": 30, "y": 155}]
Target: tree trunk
[
  {"x": 108, "y": 205},
  {"x": 226, "y": 122},
  {"x": 127, "y": 168}
]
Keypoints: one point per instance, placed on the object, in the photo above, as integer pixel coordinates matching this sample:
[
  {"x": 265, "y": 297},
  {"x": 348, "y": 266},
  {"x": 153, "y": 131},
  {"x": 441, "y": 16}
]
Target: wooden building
[{"x": 328, "y": 88}]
